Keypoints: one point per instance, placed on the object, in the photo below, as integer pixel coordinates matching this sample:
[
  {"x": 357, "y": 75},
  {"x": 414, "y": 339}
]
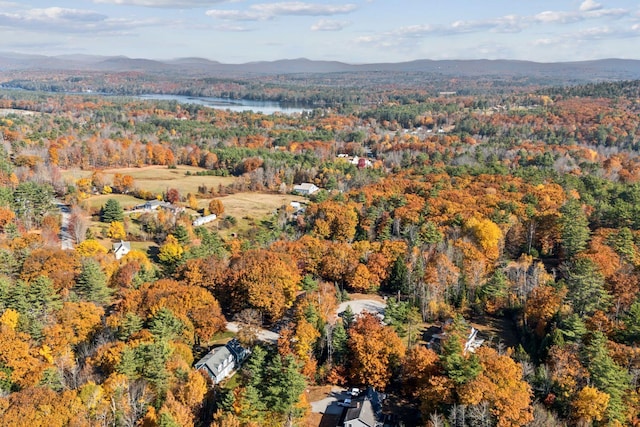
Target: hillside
[{"x": 605, "y": 69}]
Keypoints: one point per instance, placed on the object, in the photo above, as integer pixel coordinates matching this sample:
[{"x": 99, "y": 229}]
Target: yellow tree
[
  {"x": 590, "y": 405},
  {"x": 90, "y": 248},
  {"x": 116, "y": 230},
  {"x": 488, "y": 235},
  {"x": 216, "y": 207},
  {"x": 376, "y": 351},
  {"x": 265, "y": 280},
  {"x": 500, "y": 384}
]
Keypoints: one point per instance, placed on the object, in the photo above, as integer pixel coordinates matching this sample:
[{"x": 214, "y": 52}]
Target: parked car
[
  {"x": 354, "y": 391},
  {"x": 346, "y": 403}
]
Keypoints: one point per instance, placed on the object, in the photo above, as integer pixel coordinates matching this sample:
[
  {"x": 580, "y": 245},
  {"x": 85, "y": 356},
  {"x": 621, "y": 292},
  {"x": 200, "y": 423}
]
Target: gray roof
[
  {"x": 214, "y": 361},
  {"x": 121, "y": 244},
  {"x": 219, "y": 358},
  {"x": 364, "y": 413}
]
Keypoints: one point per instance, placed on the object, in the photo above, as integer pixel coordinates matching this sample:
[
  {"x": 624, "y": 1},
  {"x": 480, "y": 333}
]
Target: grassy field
[
  {"x": 126, "y": 201},
  {"x": 247, "y": 208},
  {"x": 252, "y": 207},
  {"x": 157, "y": 179}
]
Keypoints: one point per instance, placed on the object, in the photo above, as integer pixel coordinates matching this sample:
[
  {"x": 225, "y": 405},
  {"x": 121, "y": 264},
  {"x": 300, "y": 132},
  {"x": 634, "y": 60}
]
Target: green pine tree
[
  {"x": 165, "y": 326},
  {"x": 111, "y": 212},
  {"x": 574, "y": 228},
  {"x": 586, "y": 286},
  {"x": 91, "y": 284},
  {"x": 607, "y": 376}
]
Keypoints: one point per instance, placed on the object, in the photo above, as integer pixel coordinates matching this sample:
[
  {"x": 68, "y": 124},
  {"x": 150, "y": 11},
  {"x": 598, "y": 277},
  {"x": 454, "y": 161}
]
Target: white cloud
[
  {"x": 305, "y": 9},
  {"x": 265, "y": 11},
  {"x": 63, "y": 20},
  {"x": 589, "y": 5},
  {"x": 236, "y": 15},
  {"x": 232, "y": 28},
  {"x": 169, "y": 4},
  {"x": 329, "y": 25}
]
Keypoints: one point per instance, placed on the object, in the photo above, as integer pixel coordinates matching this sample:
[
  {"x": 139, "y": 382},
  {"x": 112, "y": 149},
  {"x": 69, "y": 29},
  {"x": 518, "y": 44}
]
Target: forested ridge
[{"x": 517, "y": 207}]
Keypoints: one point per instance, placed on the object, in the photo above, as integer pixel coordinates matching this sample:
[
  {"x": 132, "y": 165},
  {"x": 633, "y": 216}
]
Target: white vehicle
[{"x": 355, "y": 392}]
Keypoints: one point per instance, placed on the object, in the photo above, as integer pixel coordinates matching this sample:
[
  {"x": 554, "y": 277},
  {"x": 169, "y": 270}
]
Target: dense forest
[{"x": 513, "y": 211}]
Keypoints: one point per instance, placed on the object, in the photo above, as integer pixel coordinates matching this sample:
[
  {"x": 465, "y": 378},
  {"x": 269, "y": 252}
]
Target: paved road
[
  {"x": 66, "y": 240},
  {"x": 263, "y": 334}
]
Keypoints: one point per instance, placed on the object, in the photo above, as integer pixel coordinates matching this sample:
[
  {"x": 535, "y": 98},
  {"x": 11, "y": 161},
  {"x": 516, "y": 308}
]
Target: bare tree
[
  {"x": 78, "y": 224},
  {"x": 249, "y": 321}
]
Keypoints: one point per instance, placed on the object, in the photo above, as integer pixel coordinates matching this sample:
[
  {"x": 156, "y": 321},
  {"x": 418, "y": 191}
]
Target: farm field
[
  {"x": 249, "y": 207},
  {"x": 157, "y": 179}
]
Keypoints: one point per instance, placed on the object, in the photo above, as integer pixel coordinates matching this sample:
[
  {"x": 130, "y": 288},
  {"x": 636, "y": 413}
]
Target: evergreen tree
[
  {"x": 165, "y": 326},
  {"x": 111, "y": 212},
  {"x": 574, "y": 228},
  {"x": 253, "y": 368},
  {"x": 339, "y": 342},
  {"x": 31, "y": 201},
  {"x": 91, "y": 284},
  {"x": 285, "y": 384},
  {"x": 131, "y": 324},
  {"x": 181, "y": 234},
  {"x": 348, "y": 317},
  {"x": 573, "y": 328},
  {"x": 460, "y": 367},
  {"x": 586, "y": 286},
  {"x": 631, "y": 321},
  {"x": 607, "y": 376},
  {"x": 399, "y": 278}
]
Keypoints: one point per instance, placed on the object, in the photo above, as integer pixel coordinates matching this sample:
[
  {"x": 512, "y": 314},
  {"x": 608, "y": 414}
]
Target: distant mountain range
[{"x": 604, "y": 69}]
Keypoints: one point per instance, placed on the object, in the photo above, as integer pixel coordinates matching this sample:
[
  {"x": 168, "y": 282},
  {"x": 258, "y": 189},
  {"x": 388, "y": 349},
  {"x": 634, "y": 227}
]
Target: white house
[
  {"x": 203, "y": 220},
  {"x": 220, "y": 362},
  {"x": 121, "y": 248},
  {"x": 151, "y": 205},
  {"x": 305, "y": 189}
]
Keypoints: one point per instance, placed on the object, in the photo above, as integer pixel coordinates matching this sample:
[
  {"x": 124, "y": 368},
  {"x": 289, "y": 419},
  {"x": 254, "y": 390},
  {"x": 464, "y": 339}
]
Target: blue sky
[{"x": 357, "y": 31}]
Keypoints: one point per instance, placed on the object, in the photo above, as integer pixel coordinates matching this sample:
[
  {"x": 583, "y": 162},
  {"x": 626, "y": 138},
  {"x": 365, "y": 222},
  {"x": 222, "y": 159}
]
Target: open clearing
[
  {"x": 157, "y": 179},
  {"x": 251, "y": 207}
]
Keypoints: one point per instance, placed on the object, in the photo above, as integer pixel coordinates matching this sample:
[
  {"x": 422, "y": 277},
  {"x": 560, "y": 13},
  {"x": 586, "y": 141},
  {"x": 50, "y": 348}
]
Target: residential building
[
  {"x": 366, "y": 411},
  {"x": 305, "y": 189},
  {"x": 121, "y": 248},
  {"x": 220, "y": 362},
  {"x": 204, "y": 220}
]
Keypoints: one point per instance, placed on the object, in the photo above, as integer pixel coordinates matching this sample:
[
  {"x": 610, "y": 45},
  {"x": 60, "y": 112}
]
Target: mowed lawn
[
  {"x": 252, "y": 207},
  {"x": 157, "y": 179}
]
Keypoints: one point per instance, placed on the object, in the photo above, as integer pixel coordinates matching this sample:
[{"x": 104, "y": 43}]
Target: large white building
[
  {"x": 220, "y": 362},
  {"x": 305, "y": 189}
]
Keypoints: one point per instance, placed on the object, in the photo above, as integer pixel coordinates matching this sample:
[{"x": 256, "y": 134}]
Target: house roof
[
  {"x": 121, "y": 245},
  {"x": 214, "y": 360},
  {"x": 363, "y": 412},
  {"x": 305, "y": 186}
]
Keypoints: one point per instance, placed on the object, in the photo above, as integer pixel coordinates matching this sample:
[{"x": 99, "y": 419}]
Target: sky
[{"x": 356, "y": 31}]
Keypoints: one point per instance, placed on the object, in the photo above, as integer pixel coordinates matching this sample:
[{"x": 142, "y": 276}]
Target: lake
[{"x": 237, "y": 105}]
